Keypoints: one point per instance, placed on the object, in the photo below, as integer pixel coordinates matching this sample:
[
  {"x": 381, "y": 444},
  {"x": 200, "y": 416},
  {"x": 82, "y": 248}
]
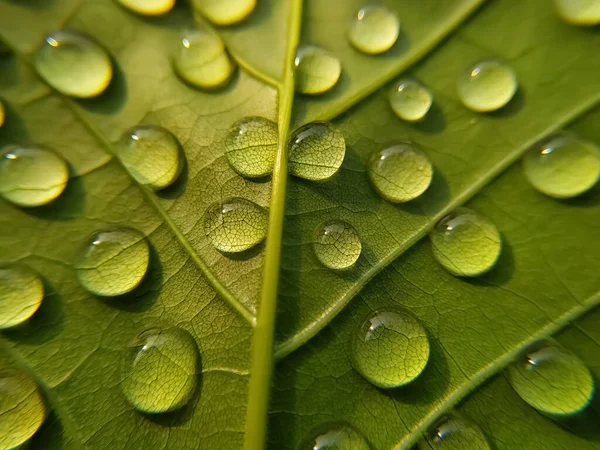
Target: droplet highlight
[
  {"x": 225, "y": 12},
  {"x": 148, "y": 7},
  {"x": 317, "y": 71},
  {"x": 337, "y": 244},
  {"x": 455, "y": 432},
  {"x": 410, "y": 100},
  {"x": 21, "y": 294},
  {"x": 374, "y": 30},
  {"x": 487, "y": 86},
  {"x": 73, "y": 64},
  {"x": 334, "y": 436},
  {"x": 251, "y": 146},
  {"x": 579, "y": 12}
]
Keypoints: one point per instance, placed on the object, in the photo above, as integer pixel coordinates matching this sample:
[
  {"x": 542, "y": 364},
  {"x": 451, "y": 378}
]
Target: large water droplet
[
  {"x": 337, "y": 244},
  {"x": 317, "y": 71},
  {"x": 390, "y": 348},
  {"x": 401, "y": 172},
  {"x": 74, "y": 64},
  {"x": 374, "y": 29},
  {"x": 487, "y": 86},
  {"x": 316, "y": 151},
  {"x": 454, "y": 432},
  {"x": 552, "y": 379},
  {"x": 160, "y": 370},
  {"x": 236, "y": 225},
  {"x": 148, "y": 7},
  {"x": 202, "y": 60},
  {"x": 579, "y": 12},
  {"x": 113, "y": 261},
  {"x": 225, "y": 12},
  {"x": 410, "y": 100},
  {"x": 21, "y": 294},
  {"x": 251, "y": 146},
  {"x": 564, "y": 167},
  {"x": 334, "y": 436},
  {"x": 22, "y": 408},
  {"x": 151, "y": 154},
  {"x": 31, "y": 176},
  {"x": 466, "y": 243}
]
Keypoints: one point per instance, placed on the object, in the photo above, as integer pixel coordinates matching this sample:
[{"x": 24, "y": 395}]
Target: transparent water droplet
[
  {"x": 151, "y": 154},
  {"x": 579, "y": 12},
  {"x": 564, "y": 167},
  {"x": 113, "y": 261},
  {"x": 21, "y": 294},
  {"x": 160, "y": 370},
  {"x": 74, "y": 64},
  {"x": 375, "y": 29},
  {"x": 390, "y": 348},
  {"x": 251, "y": 146},
  {"x": 22, "y": 408},
  {"x": 487, "y": 86},
  {"x": 2, "y": 114},
  {"x": 410, "y": 100},
  {"x": 225, "y": 12},
  {"x": 148, "y": 7},
  {"x": 202, "y": 60},
  {"x": 455, "y": 432},
  {"x": 552, "y": 379},
  {"x": 316, "y": 151},
  {"x": 236, "y": 225},
  {"x": 31, "y": 176},
  {"x": 334, "y": 436},
  {"x": 317, "y": 70},
  {"x": 465, "y": 243},
  {"x": 400, "y": 173},
  {"x": 337, "y": 244}
]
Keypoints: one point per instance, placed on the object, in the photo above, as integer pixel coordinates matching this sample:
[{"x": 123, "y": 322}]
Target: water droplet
[
  {"x": 202, "y": 60},
  {"x": 21, "y": 294},
  {"x": 390, "y": 348},
  {"x": 2, "y": 114},
  {"x": 551, "y": 379},
  {"x": 236, "y": 225},
  {"x": 113, "y": 261},
  {"x": 148, "y": 7},
  {"x": 454, "y": 432},
  {"x": 31, "y": 176},
  {"x": 225, "y": 12},
  {"x": 579, "y": 12},
  {"x": 466, "y": 243},
  {"x": 400, "y": 173},
  {"x": 374, "y": 29},
  {"x": 316, "y": 151},
  {"x": 487, "y": 86},
  {"x": 151, "y": 154},
  {"x": 22, "y": 408},
  {"x": 410, "y": 100},
  {"x": 74, "y": 65},
  {"x": 337, "y": 244},
  {"x": 334, "y": 436},
  {"x": 317, "y": 71},
  {"x": 564, "y": 167},
  {"x": 251, "y": 146},
  {"x": 160, "y": 370}
]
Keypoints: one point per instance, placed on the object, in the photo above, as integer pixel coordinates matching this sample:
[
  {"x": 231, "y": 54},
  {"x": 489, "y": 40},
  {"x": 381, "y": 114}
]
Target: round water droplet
[
  {"x": 74, "y": 65},
  {"x": 316, "y": 151},
  {"x": 579, "y": 12},
  {"x": 113, "y": 261},
  {"x": 563, "y": 167},
  {"x": 148, "y": 7},
  {"x": 401, "y": 172},
  {"x": 1, "y": 113},
  {"x": 390, "y": 348},
  {"x": 466, "y": 243},
  {"x": 22, "y": 408},
  {"x": 487, "y": 86},
  {"x": 31, "y": 176},
  {"x": 317, "y": 71},
  {"x": 225, "y": 12},
  {"x": 374, "y": 29},
  {"x": 454, "y": 432},
  {"x": 334, "y": 436},
  {"x": 552, "y": 379},
  {"x": 337, "y": 244},
  {"x": 21, "y": 294},
  {"x": 410, "y": 100},
  {"x": 236, "y": 225},
  {"x": 151, "y": 155},
  {"x": 251, "y": 146},
  {"x": 160, "y": 370},
  {"x": 202, "y": 60}
]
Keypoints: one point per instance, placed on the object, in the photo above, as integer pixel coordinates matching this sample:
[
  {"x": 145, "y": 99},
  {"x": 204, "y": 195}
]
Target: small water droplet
[
  {"x": 113, "y": 261},
  {"x": 455, "y": 432},
  {"x": 552, "y": 379},
  {"x": 160, "y": 370},
  {"x": 317, "y": 71},
  {"x": 465, "y": 243},
  {"x": 21, "y": 294},
  {"x": 337, "y": 244},
  {"x": 390, "y": 348},
  {"x": 251, "y": 146},
  {"x": 579, "y": 12},
  {"x": 236, "y": 225},
  {"x": 400, "y": 173},
  {"x": 74, "y": 65},
  {"x": 148, "y": 7},
  {"x": 410, "y": 100},
  {"x": 487, "y": 86},
  {"x": 202, "y": 60},
  {"x": 225, "y": 12},
  {"x": 151, "y": 155},
  {"x": 334, "y": 436},
  {"x": 31, "y": 176},
  {"x": 564, "y": 167},
  {"x": 374, "y": 29},
  {"x": 316, "y": 151}
]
